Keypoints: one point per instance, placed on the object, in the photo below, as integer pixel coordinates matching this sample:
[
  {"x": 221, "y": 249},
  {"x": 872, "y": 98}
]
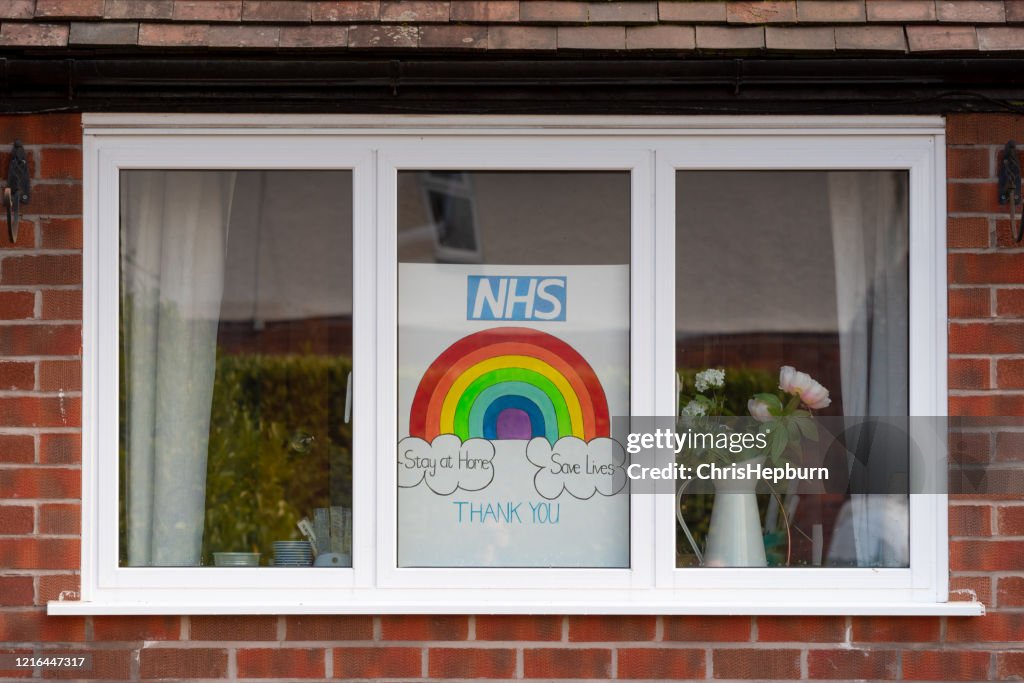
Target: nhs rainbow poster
[{"x": 507, "y": 382}]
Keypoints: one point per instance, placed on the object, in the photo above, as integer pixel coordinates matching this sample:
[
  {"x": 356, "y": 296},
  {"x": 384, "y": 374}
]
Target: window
[{"x": 417, "y": 335}]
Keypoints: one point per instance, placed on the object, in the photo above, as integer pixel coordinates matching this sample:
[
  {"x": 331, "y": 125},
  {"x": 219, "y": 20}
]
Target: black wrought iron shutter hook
[
  {"x": 18, "y": 191},
  {"x": 1009, "y": 187}
]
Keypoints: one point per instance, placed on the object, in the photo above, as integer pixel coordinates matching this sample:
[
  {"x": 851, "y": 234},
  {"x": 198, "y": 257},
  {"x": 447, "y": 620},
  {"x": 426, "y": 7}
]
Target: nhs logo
[{"x": 521, "y": 297}]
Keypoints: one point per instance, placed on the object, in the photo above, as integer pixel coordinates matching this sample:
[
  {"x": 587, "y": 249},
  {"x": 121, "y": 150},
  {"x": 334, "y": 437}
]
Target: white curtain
[
  {"x": 174, "y": 234},
  {"x": 869, "y": 237}
]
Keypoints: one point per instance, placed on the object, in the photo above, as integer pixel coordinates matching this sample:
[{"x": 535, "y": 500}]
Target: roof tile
[
  {"x": 901, "y": 10},
  {"x": 173, "y": 35},
  {"x": 244, "y": 36},
  {"x": 866, "y": 38},
  {"x": 522, "y": 38},
  {"x": 759, "y": 12},
  {"x": 461, "y": 37},
  {"x": 623, "y": 12},
  {"x": 314, "y": 36},
  {"x": 661, "y": 37},
  {"x": 673, "y": 10},
  {"x": 725, "y": 38},
  {"x": 547, "y": 11},
  {"x": 791, "y": 38},
  {"x": 426, "y": 11},
  {"x": 279, "y": 11},
  {"x": 485, "y": 10},
  {"x": 830, "y": 11},
  {"x": 591, "y": 38},
  {"x": 136, "y": 9},
  {"x": 971, "y": 11},
  {"x": 17, "y": 9},
  {"x": 33, "y": 35},
  {"x": 207, "y": 10},
  {"x": 59, "y": 9},
  {"x": 348, "y": 10},
  {"x": 941, "y": 38},
  {"x": 374, "y": 35},
  {"x": 104, "y": 33},
  {"x": 1001, "y": 38}
]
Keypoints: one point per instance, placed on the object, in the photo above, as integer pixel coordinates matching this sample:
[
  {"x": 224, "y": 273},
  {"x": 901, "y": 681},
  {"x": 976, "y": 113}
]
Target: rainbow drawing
[{"x": 510, "y": 383}]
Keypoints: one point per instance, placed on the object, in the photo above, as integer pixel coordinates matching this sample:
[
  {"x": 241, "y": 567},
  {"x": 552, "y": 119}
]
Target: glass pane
[
  {"x": 513, "y": 354},
  {"x": 806, "y": 270},
  {"x": 236, "y": 352}
]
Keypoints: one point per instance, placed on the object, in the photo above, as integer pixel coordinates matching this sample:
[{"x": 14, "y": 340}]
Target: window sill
[{"x": 381, "y": 605}]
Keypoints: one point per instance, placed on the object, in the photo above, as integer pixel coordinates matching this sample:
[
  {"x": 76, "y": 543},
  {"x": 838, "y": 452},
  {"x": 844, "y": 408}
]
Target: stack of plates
[
  {"x": 293, "y": 554},
  {"x": 236, "y": 559}
]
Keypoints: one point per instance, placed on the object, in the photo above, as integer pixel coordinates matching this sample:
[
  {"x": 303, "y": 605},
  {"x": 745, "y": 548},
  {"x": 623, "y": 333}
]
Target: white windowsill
[{"x": 961, "y": 609}]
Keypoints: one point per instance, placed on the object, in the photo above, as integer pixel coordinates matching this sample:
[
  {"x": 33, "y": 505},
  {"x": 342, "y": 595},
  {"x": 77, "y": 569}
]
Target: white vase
[{"x": 734, "y": 537}]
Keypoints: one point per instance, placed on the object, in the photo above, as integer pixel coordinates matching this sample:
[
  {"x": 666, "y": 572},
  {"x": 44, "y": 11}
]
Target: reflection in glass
[
  {"x": 809, "y": 270},
  {"x": 236, "y": 345}
]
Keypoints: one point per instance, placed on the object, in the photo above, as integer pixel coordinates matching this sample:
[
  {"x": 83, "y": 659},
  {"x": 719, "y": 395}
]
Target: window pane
[
  {"x": 808, "y": 270},
  {"x": 236, "y": 352},
  {"x": 513, "y": 314}
]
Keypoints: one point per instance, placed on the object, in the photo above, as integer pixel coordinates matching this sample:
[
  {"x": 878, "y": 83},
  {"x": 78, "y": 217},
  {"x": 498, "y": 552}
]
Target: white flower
[
  {"x": 712, "y": 377},
  {"x": 694, "y": 409},
  {"x": 810, "y": 391},
  {"x": 758, "y": 410}
]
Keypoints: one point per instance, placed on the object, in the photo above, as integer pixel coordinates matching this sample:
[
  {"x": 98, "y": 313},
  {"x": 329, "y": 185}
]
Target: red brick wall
[{"x": 40, "y": 310}]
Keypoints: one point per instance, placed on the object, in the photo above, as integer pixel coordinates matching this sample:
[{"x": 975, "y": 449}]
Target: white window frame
[{"x": 652, "y": 149}]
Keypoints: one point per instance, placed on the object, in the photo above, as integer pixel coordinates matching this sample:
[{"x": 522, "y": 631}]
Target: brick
[
  {"x": 34, "y": 626},
  {"x": 602, "y": 629},
  {"x": 277, "y": 11},
  {"x": 518, "y": 628},
  {"x": 971, "y": 11},
  {"x": 673, "y": 10},
  {"x": 28, "y": 482},
  {"x": 969, "y": 373},
  {"x": 66, "y": 164},
  {"x": 286, "y": 662},
  {"x": 522, "y": 37},
  {"x": 1009, "y": 666},
  {"x": 563, "y": 663},
  {"x": 17, "y": 9},
  {"x": 967, "y": 232},
  {"x": 244, "y": 36},
  {"x": 830, "y": 11},
  {"x": 104, "y": 33},
  {"x": 986, "y": 556},
  {"x": 28, "y": 411},
  {"x": 60, "y": 519},
  {"x": 383, "y": 36},
  {"x": 761, "y": 12},
  {"x": 1010, "y": 446},
  {"x": 26, "y": 235},
  {"x": 41, "y": 340},
  {"x": 635, "y": 12},
  {"x": 873, "y": 665},
  {"x": 422, "y": 11},
  {"x": 15, "y": 376},
  {"x": 377, "y": 662},
  {"x": 62, "y": 304},
  {"x": 424, "y": 627},
  {"x": 660, "y": 664},
  {"x": 183, "y": 663},
  {"x": 1010, "y": 520},
  {"x": 973, "y": 197},
  {"x": 347, "y": 10},
  {"x": 106, "y": 665},
  {"x": 970, "y": 520},
  {"x": 662, "y": 37},
  {"x": 884, "y": 38},
  {"x": 52, "y": 198},
  {"x": 38, "y": 553},
  {"x": 758, "y": 664},
  {"x": 453, "y": 37},
  {"x": 208, "y": 10},
  {"x": 16, "y": 591},
  {"x": 970, "y": 589},
  {"x": 997, "y": 268},
  {"x": 485, "y": 11},
  {"x": 60, "y": 233},
  {"x": 173, "y": 35},
  {"x": 30, "y": 157},
  {"x": 895, "y": 629},
  {"x": 557, "y": 11},
  {"x": 58, "y": 587},
  {"x": 44, "y": 129},
  {"x": 800, "y": 38},
  {"x": 1010, "y": 374},
  {"x": 17, "y": 305},
  {"x": 449, "y": 663},
  {"x": 969, "y": 448},
  {"x": 591, "y": 37},
  {"x": 901, "y": 10},
  {"x": 724, "y": 38},
  {"x": 130, "y": 628},
  {"x": 60, "y": 449},
  {"x": 58, "y": 375},
  {"x": 986, "y": 405},
  {"x": 233, "y": 628},
  {"x": 1005, "y": 237},
  {"x": 17, "y": 448},
  {"x": 990, "y": 129},
  {"x": 994, "y": 627},
  {"x": 33, "y": 35},
  {"x": 974, "y": 302},
  {"x": 138, "y": 9},
  {"x": 1010, "y": 591},
  {"x": 1000, "y": 38},
  {"x": 801, "y": 629},
  {"x": 68, "y": 9},
  {"x": 941, "y": 38},
  {"x": 713, "y": 629},
  {"x": 323, "y": 627},
  {"x": 16, "y": 519}
]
